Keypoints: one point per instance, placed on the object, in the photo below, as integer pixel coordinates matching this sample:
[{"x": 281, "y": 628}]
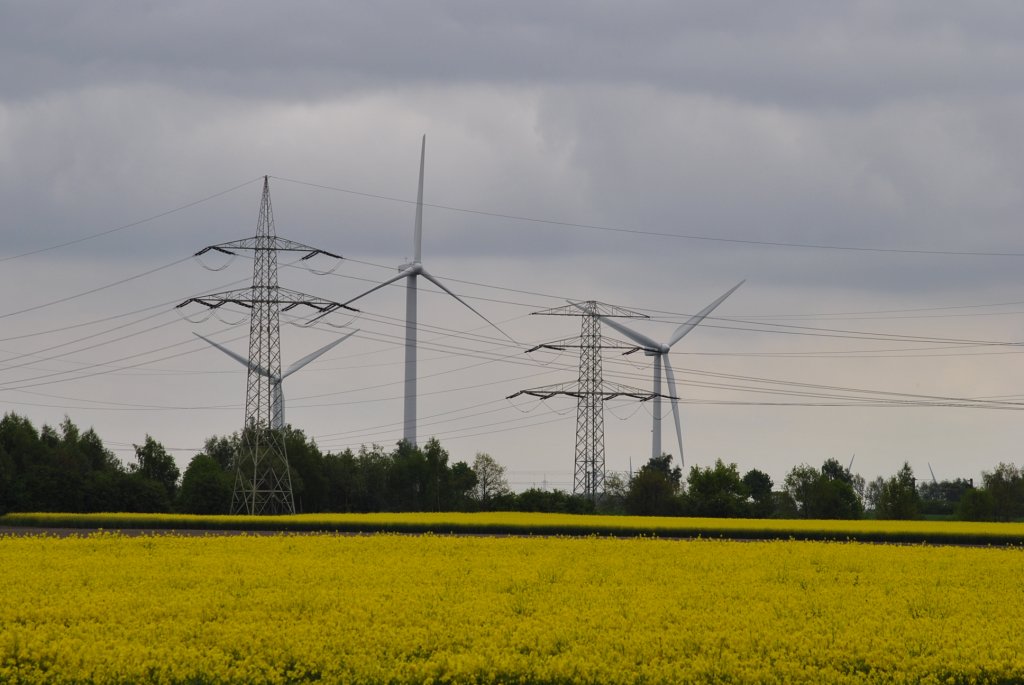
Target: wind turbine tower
[
  {"x": 411, "y": 272},
  {"x": 263, "y": 482},
  {"x": 659, "y": 351}
]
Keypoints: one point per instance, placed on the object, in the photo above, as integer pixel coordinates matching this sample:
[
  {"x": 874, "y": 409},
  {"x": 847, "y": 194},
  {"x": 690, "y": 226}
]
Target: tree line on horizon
[{"x": 68, "y": 470}]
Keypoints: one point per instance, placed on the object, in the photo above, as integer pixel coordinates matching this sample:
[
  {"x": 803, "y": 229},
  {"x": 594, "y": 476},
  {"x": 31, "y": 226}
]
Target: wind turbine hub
[{"x": 411, "y": 269}]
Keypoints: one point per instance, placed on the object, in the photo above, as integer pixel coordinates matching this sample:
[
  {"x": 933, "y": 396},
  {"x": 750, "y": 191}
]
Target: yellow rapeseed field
[
  {"x": 550, "y": 524},
  {"x": 401, "y": 609}
]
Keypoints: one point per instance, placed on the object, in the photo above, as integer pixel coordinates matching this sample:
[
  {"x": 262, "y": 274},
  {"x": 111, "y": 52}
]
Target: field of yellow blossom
[
  {"x": 521, "y": 523},
  {"x": 107, "y": 608}
]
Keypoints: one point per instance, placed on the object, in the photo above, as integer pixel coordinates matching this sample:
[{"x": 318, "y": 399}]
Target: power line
[
  {"x": 130, "y": 225},
  {"x": 94, "y": 290},
  {"x": 661, "y": 234}
]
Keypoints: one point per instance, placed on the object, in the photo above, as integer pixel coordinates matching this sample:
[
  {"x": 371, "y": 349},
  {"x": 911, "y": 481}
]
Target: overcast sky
[{"x": 859, "y": 163}]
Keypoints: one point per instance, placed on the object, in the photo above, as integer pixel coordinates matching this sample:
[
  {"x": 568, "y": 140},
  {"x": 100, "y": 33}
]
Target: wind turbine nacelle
[{"x": 412, "y": 268}]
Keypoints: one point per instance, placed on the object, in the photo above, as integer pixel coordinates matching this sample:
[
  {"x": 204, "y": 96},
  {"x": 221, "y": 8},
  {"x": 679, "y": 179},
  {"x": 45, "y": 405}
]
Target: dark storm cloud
[
  {"x": 825, "y": 54},
  {"x": 866, "y": 124}
]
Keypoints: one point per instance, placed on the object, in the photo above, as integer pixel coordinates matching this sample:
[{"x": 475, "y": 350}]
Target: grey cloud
[{"x": 807, "y": 54}]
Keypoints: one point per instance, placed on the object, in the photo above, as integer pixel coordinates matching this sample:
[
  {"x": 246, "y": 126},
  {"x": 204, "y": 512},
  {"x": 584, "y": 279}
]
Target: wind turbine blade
[
  {"x": 417, "y": 237},
  {"x": 671, "y": 378},
  {"x": 638, "y": 338},
  {"x": 440, "y": 285},
  {"x": 277, "y": 410},
  {"x": 313, "y": 355},
  {"x": 375, "y": 288},
  {"x": 234, "y": 355},
  {"x": 699, "y": 316}
]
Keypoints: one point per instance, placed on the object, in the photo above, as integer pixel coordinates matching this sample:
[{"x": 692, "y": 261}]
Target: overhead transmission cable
[
  {"x": 97, "y": 289},
  {"x": 132, "y": 224},
  {"x": 659, "y": 234}
]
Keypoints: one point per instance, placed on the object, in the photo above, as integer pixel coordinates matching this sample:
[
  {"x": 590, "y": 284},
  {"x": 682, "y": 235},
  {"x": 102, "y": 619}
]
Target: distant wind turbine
[
  {"x": 660, "y": 353},
  {"x": 277, "y": 393},
  {"x": 411, "y": 272}
]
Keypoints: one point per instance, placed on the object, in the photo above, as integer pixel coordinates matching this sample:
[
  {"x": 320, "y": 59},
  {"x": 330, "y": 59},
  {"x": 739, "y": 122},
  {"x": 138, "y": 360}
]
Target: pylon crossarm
[
  {"x": 216, "y": 302},
  {"x": 547, "y": 346},
  {"x": 575, "y": 344},
  {"x": 214, "y": 248},
  {"x": 611, "y": 392},
  {"x": 248, "y": 298},
  {"x": 591, "y": 308},
  {"x": 268, "y": 243}
]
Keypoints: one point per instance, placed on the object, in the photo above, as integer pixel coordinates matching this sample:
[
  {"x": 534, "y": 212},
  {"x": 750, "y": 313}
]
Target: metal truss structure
[
  {"x": 263, "y": 483},
  {"x": 590, "y": 389}
]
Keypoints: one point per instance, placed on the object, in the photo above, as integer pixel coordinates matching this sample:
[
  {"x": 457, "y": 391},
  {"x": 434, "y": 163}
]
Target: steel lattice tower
[
  {"x": 589, "y": 471},
  {"x": 263, "y": 483},
  {"x": 268, "y": 487},
  {"x": 590, "y": 390}
]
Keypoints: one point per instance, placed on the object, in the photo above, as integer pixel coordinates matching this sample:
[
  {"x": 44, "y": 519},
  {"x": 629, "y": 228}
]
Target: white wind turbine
[
  {"x": 411, "y": 272},
  {"x": 277, "y": 393},
  {"x": 660, "y": 353}
]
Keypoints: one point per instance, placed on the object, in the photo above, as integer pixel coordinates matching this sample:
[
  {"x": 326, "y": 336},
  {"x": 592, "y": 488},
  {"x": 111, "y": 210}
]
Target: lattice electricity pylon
[
  {"x": 263, "y": 482},
  {"x": 590, "y": 390}
]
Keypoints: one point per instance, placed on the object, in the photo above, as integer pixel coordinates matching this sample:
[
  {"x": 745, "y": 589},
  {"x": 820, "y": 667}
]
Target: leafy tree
[
  {"x": 8, "y": 476},
  {"x": 784, "y": 506},
  {"x": 154, "y": 463},
  {"x": 438, "y": 494},
  {"x": 306, "y": 465},
  {"x": 616, "y": 488},
  {"x": 206, "y": 488},
  {"x": 759, "y": 485},
  {"x": 372, "y": 485},
  {"x": 490, "y": 479},
  {"x": 716, "y": 491},
  {"x": 976, "y": 504},
  {"x": 341, "y": 473},
  {"x": 942, "y": 497},
  {"x": 136, "y": 493},
  {"x": 222, "y": 449},
  {"x": 552, "y": 501},
  {"x": 873, "y": 492},
  {"x": 106, "y": 490},
  {"x": 49, "y": 437},
  {"x": 799, "y": 484},
  {"x": 825, "y": 494},
  {"x": 408, "y": 476},
  {"x": 1006, "y": 485},
  {"x": 97, "y": 456},
  {"x": 20, "y": 441},
  {"x": 653, "y": 490},
  {"x": 897, "y": 497},
  {"x": 463, "y": 481}
]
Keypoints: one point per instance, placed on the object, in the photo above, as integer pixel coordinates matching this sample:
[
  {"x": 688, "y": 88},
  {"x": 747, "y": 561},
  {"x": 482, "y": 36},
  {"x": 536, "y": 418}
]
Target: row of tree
[
  {"x": 829, "y": 492},
  {"x": 65, "y": 469},
  {"x": 720, "y": 491}
]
